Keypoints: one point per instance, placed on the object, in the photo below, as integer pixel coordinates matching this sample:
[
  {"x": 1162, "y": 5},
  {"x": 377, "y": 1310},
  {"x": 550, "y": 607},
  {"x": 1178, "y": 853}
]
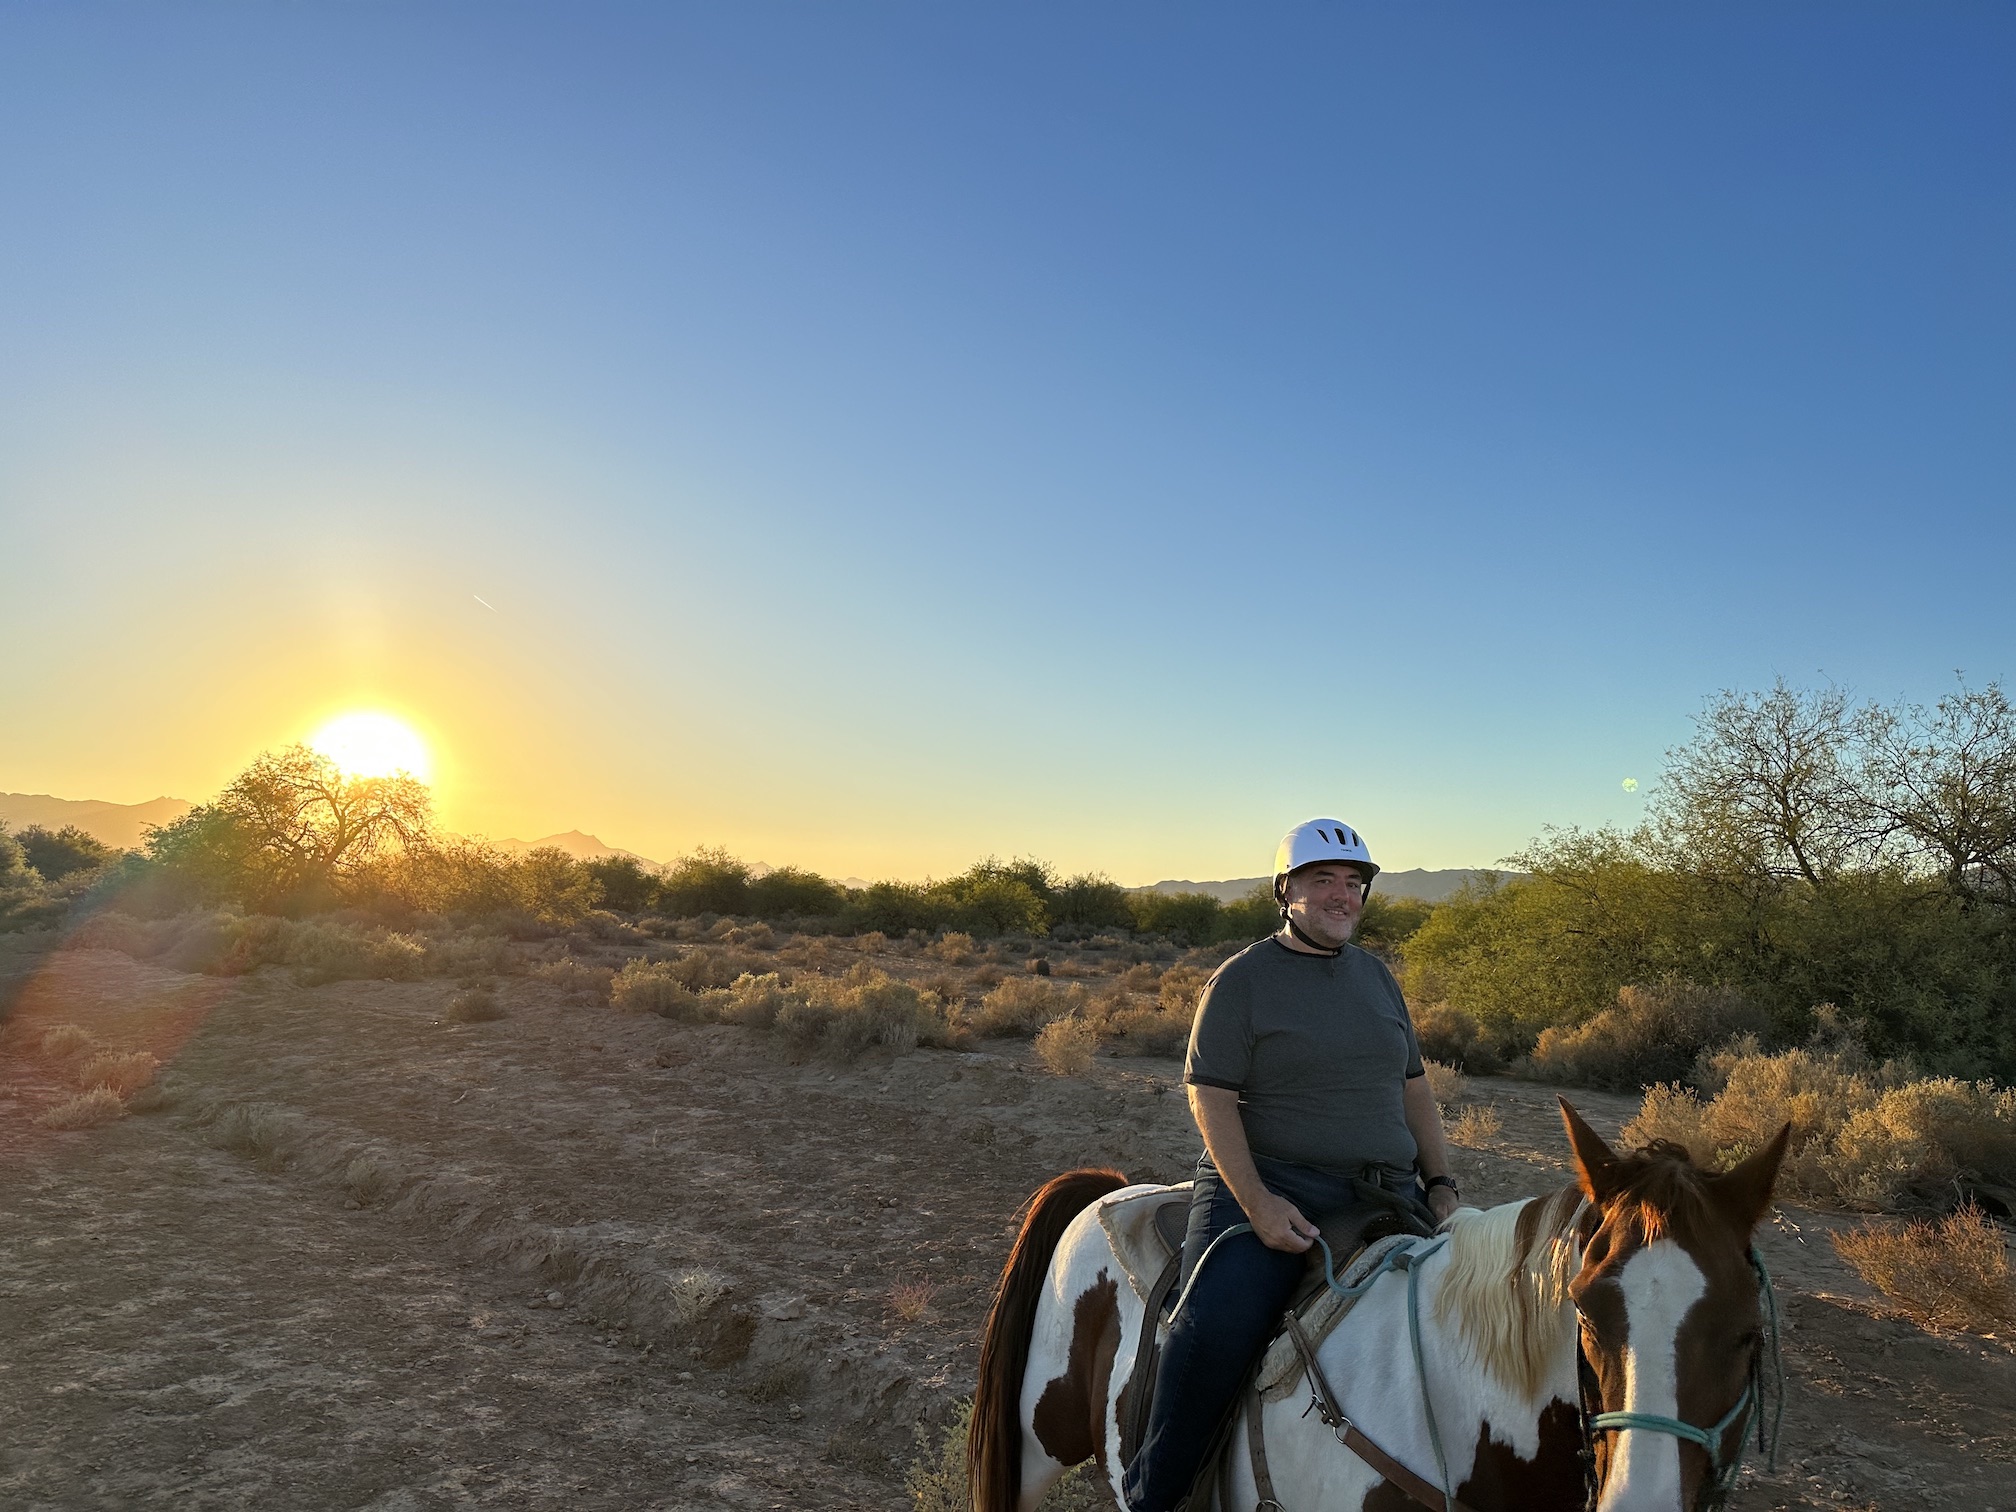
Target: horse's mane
[{"x": 1506, "y": 1287}]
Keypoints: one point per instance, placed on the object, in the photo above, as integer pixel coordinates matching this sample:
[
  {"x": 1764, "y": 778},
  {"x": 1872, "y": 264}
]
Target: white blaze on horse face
[{"x": 1660, "y": 1283}]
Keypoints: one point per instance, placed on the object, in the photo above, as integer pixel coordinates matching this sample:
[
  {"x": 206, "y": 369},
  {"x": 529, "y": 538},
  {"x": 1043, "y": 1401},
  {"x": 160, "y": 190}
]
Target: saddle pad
[
  {"x": 1280, "y": 1369},
  {"x": 1129, "y": 1218}
]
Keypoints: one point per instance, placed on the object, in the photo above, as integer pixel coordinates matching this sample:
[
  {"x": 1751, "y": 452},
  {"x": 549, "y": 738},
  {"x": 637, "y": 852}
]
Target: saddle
[{"x": 1151, "y": 1225}]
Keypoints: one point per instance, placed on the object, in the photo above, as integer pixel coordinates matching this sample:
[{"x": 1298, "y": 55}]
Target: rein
[{"x": 1716, "y": 1489}]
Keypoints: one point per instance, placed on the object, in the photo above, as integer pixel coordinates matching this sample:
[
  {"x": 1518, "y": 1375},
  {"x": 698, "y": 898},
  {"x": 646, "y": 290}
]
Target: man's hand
[
  {"x": 1280, "y": 1224},
  {"x": 1441, "y": 1202}
]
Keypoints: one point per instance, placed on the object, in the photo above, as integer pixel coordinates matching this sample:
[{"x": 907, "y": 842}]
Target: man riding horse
[{"x": 1303, "y": 1073}]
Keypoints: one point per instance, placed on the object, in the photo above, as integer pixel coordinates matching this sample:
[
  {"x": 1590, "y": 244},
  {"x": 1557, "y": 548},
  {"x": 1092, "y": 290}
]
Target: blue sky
[{"x": 889, "y": 434}]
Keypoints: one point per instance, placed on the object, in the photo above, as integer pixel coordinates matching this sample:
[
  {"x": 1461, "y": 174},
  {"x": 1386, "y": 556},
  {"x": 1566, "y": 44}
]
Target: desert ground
[{"x": 352, "y": 1254}]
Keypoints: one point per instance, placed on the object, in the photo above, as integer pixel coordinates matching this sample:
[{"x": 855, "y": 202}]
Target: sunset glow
[{"x": 368, "y": 744}]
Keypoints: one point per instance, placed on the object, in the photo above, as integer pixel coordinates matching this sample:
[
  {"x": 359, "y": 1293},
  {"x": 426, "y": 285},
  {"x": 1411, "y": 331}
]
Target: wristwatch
[{"x": 1448, "y": 1181}]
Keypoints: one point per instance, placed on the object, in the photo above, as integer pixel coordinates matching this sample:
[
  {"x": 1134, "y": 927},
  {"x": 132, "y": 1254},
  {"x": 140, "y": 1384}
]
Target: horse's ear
[
  {"x": 1744, "y": 1191},
  {"x": 1595, "y": 1165}
]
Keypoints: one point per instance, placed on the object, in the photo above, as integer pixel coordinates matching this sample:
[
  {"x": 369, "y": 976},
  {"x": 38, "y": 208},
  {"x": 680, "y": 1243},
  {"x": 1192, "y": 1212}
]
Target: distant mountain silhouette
[
  {"x": 1429, "y": 886},
  {"x": 581, "y": 847},
  {"x": 119, "y": 824}
]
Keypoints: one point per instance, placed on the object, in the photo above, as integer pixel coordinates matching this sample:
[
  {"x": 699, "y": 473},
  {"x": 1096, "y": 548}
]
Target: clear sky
[{"x": 875, "y": 435}]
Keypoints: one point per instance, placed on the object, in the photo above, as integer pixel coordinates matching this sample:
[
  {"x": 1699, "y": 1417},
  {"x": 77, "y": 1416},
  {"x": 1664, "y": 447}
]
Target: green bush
[
  {"x": 708, "y": 881},
  {"x": 626, "y": 884},
  {"x": 1187, "y": 918},
  {"x": 59, "y": 854},
  {"x": 790, "y": 893},
  {"x": 1091, "y": 901}
]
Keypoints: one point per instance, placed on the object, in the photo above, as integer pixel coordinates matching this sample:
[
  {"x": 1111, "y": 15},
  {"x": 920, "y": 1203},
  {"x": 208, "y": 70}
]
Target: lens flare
[{"x": 368, "y": 744}]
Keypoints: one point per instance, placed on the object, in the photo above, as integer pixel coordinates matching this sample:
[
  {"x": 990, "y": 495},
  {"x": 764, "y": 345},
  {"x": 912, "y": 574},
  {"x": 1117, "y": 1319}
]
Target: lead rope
[{"x": 1421, "y": 1370}]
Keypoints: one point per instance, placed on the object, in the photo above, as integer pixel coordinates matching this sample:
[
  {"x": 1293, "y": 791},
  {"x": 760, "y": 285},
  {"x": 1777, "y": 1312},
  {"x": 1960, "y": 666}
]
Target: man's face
[{"x": 1325, "y": 901}]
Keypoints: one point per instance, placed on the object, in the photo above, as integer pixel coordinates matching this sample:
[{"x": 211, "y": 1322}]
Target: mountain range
[
  {"x": 124, "y": 825},
  {"x": 1428, "y": 886}
]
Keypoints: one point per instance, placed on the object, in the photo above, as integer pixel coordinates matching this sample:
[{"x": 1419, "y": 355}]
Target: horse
[{"x": 1602, "y": 1346}]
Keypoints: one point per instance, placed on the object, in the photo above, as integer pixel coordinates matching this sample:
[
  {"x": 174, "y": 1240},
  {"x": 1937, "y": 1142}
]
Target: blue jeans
[{"x": 1231, "y": 1313}]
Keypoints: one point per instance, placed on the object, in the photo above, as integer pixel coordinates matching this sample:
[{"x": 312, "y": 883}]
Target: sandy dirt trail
[{"x": 365, "y": 1257}]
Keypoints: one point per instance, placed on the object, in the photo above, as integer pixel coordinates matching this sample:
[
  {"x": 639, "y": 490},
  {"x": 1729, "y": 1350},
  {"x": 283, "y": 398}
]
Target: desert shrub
[
  {"x": 1253, "y": 917},
  {"x": 710, "y": 881},
  {"x": 706, "y": 966},
  {"x": 789, "y": 893},
  {"x": 652, "y": 987},
  {"x": 1952, "y": 1273},
  {"x": 694, "y": 1294},
  {"x": 1389, "y": 923},
  {"x": 1142, "y": 976},
  {"x": 1476, "y": 1126},
  {"x": 1452, "y": 1036},
  {"x": 468, "y": 952},
  {"x": 752, "y": 1000},
  {"x": 1187, "y": 918},
  {"x": 626, "y": 884},
  {"x": 1445, "y": 1082},
  {"x": 331, "y": 952},
  {"x": 475, "y": 1005},
  {"x": 264, "y": 1133},
  {"x": 1090, "y": 901},
  {"x": 910, "y": 1300},
  {"x": 553, "y": 887},
  {"x": 1066, "y": 1046},
  {"x": 1651, "y": 1034},
  {"x": 955, "y": 948},
  {"x": 757, "y": 936},
  {"x": 120, "y": 1072},
  {"x": 1863, "y": 1136},
  {"x": 64, "y": 1041},
  {"x": 113, "y": 929},
  {"x": 1130, "y": 1027},
  {"x": 866, "y": 1008},
  {"x": 62, "y": 853},
  {"x": 578, "y": 979},
  {"x": 1021, "y": 1006},
  {"x": 1179, "y": 988},
  {"x": 101, "y": 1105},
  {"x": 604, "y": 927}
]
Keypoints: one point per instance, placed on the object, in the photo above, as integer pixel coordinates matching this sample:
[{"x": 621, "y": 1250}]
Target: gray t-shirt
[{"x": 1317, "y": 1047}]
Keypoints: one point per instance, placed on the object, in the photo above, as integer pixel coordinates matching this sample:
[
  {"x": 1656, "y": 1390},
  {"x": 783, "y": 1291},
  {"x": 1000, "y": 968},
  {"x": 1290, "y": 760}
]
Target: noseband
[{"x": 1763, "y": 1378}]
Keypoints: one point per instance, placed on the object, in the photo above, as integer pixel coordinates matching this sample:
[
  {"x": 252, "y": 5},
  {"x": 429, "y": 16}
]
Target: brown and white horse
[{"x": 1629, "y": 1296}]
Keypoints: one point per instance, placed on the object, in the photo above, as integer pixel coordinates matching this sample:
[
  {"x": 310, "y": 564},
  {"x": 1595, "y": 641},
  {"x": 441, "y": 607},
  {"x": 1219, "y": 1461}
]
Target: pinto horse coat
[
  {"x": 1636, "y": 1284},
  {"x": 1504, "y": 1394}
]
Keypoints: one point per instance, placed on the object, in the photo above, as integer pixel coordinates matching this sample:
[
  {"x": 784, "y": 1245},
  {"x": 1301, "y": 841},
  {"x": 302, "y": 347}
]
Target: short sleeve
[
  {"x": 1221, "y": 1038},
  {"x": 1414, "y": 1066}
]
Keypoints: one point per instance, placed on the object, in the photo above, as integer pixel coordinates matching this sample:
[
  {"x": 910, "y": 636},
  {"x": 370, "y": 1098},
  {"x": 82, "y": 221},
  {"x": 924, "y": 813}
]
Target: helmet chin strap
[{"x": 1316, "y": 945}]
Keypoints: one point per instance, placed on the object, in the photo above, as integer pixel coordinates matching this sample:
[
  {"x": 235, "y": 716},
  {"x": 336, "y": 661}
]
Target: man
[{"x": 1303, "y": 1072}]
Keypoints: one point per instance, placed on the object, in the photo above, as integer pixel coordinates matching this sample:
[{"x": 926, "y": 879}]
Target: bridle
[{"x": 1766, "y": 1377}]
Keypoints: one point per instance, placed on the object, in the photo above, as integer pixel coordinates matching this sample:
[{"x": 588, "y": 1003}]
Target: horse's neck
[{"x": 1372, "y": 1362}]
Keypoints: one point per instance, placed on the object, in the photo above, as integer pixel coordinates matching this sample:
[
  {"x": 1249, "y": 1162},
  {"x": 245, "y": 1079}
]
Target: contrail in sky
[{"x": 484, "y": 602}]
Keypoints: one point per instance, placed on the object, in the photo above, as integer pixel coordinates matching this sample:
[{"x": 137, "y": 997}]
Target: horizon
[{"x": 873, "y": 441}]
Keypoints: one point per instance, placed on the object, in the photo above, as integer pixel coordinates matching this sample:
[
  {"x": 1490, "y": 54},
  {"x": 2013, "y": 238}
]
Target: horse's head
[{"x": 1671, "y": 1315}]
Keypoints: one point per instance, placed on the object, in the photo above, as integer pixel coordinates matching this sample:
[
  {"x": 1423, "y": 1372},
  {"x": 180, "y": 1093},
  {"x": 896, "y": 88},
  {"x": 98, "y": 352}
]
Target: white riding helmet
[{"x": 1320, "y": 840}]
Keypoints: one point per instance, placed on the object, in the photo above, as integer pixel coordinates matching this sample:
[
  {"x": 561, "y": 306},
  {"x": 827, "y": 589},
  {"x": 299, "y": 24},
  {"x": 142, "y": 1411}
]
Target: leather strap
[
  {"x": 1142, "y": 1381},
  {"x": 1264, "y": 1499},
  {"x": 1327, "y": 1408}
]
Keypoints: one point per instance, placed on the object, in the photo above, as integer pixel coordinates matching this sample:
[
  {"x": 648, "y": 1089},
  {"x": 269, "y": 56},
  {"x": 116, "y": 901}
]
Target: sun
[{"x": 367, "y": 744}]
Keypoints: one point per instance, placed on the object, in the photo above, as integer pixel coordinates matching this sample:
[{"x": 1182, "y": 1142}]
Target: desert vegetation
[{"x": 1814, "y": 923}]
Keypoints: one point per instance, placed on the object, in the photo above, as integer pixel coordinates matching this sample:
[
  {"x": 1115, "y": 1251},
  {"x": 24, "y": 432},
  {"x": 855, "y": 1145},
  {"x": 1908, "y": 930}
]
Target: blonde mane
[{"x": 1505, "y": 1289}]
